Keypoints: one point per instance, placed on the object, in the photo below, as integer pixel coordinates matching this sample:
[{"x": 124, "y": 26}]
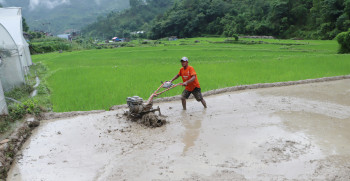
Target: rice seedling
[{"x": 98, "y": 79}]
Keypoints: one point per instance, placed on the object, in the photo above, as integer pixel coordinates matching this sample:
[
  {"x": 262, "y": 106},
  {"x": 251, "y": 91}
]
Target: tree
[
  {"x": 347, "y": 7},
  {"x": 342, "y": 22},
  {"x": 24, "y": 25},
  {"x": 279, "y": 16},
  {"x": 299, "y": 12},
  {"x": 344, "y": 42},
  {"x": 331, "y": 10}
]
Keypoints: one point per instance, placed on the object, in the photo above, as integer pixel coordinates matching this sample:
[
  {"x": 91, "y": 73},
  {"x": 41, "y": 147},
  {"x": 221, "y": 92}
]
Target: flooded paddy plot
[{"x": 292, "y": 132}]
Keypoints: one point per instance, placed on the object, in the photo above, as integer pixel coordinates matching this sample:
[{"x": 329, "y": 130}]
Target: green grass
[{"x": 98, "y": 79}]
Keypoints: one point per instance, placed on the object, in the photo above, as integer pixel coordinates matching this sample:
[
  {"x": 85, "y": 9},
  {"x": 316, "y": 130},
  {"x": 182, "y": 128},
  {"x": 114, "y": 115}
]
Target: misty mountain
[
  {"x": 128, "y": 22},
  {"x": 58, "y": 16}
]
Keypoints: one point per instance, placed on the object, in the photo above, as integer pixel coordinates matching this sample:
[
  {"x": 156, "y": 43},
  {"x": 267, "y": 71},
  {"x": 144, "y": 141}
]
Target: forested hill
[
  {"x": 312, "y": 19},
  {"x": 122, "y": 24}
]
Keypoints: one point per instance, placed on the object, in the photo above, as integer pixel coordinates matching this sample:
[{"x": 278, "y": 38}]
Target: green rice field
[{"x": 98, "y": 79}]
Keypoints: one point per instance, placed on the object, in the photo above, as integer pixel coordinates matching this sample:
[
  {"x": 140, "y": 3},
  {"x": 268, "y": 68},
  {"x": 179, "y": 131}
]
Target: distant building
[
  {"x": 172, "y": 38},
  {"x": 72, "y": 32},
  {"x": 137, "y": 32},
  {"x": 26, "y": 36},
  {"x": 116, "y": 39},
  {"x": 65, "y": 36}
]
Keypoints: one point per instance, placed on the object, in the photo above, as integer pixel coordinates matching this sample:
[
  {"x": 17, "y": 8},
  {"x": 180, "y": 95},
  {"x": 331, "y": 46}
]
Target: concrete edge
[
  {"x": 257, "y": 86},
  {"x": 11, "y": 145}
]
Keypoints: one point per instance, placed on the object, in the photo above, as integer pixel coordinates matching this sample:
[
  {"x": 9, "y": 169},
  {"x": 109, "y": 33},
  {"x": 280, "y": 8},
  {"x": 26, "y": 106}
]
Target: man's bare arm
[
  {"x": 176, "y": 76},
  {"x": 189, "y": 81}
]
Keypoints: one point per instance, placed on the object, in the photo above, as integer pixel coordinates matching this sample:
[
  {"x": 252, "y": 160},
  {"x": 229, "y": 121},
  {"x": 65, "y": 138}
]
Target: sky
[
  {"x": 50, "y": 4},
  {"x": 47, "y": 3}
]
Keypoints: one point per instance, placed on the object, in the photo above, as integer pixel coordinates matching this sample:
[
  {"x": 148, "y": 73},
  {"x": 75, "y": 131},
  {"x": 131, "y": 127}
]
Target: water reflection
[{"x": 193, "y": 126}]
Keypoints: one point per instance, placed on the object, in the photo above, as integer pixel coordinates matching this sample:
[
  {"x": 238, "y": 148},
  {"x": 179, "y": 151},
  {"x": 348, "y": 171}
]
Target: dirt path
[{"x": 293, "y": 132}]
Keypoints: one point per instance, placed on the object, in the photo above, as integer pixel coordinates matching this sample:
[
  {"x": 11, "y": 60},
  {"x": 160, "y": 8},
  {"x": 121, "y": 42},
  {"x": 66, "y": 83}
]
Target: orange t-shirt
[{"x": 187, "y": 74}]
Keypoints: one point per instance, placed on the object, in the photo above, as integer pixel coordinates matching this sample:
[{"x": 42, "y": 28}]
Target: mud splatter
[
  {"x": 280, "y": 150},
  {"x": 336, "y": 167},
  {"x": 223, "y": 175},
  {"x": 152, "y": 120}
]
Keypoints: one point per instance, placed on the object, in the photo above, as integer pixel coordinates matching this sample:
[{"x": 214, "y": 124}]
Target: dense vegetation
[
  {"x": 307, "y": 19},
  {"x": 49, "y": 44},
  {"x": 123, "y": 23},
  {"x": 344, "y": 42},
  {"x": 25, "y": 104},
  {"x": 312, "y": 19}
]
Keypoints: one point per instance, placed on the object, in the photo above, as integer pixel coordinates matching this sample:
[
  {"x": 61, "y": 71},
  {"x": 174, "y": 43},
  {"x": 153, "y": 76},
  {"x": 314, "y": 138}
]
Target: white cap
[{"x": 185, "y": 59}]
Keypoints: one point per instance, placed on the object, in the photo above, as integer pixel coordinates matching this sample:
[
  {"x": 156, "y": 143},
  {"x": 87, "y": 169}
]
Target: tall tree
[
  {"x": 347, "y": 7},
  {"x": 332, "y": 9},
  {"x": 24, "y": 25}
]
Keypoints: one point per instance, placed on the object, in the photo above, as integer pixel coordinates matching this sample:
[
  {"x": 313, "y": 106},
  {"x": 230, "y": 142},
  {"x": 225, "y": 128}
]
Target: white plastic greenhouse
[
  {"x": 3, "y": 106},
  {"x": 14, "y": 52}
]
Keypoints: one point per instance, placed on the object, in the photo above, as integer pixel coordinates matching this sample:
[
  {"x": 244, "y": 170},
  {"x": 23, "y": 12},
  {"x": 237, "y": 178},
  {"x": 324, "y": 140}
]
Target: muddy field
[{"x": 294, "y": 132}]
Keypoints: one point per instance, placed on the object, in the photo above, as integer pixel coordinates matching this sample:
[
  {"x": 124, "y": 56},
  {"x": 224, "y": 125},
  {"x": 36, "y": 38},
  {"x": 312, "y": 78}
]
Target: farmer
[{"x": 190, "y": 80}]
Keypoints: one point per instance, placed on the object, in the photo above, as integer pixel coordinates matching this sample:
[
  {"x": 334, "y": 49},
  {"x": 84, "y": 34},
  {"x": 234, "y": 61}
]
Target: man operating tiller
[{"x": 190, "y": 80}]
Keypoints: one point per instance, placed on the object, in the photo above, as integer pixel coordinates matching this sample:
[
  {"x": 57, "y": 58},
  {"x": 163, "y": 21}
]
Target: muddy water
[{"x": 294, "y": 132}]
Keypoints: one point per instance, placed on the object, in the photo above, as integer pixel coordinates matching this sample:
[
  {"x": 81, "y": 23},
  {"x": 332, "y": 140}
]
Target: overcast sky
[{"x": 46, "y": 3}]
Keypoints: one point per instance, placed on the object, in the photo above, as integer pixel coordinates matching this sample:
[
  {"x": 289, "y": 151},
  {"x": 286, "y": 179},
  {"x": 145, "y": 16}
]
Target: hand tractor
[{"x": 144, "y": 112}]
